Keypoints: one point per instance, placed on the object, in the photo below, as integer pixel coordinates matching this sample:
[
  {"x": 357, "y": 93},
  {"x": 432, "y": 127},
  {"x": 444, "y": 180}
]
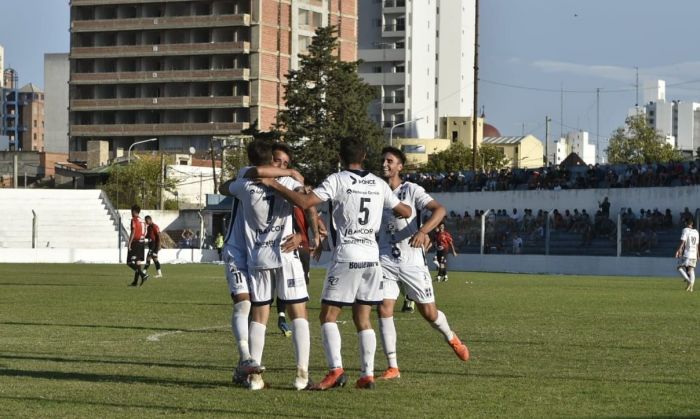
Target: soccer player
[
  {"x": 153, "y": 236},
  {"x": 401, "y": 252},
  {"x": 688, "y": 248},
  {"x": 267, "y": 221},
  {"x": 357, "y": 199},
  {"x": 299, "y": 243},
  {"x": 136, "y": 246},
  {"x": 443, "y": 243},
  {"x": 236, "y": 268}
]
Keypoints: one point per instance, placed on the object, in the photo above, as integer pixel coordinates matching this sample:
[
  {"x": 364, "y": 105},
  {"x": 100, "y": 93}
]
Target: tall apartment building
[
  {"x": 678, "y": 122},
  {"x": 420, "y": 53},
  {"x": 56, "y": 76},
  {"x": 183, "y": 71},
  {"x": 576, "y": 142},
  {"x": 2, "y": 66}
]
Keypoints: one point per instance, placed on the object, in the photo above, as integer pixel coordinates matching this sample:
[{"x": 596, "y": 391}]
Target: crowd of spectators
[{"x": 557, "y": 177}]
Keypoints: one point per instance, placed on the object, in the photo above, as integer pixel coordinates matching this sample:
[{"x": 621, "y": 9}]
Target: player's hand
[
  {"x": 419, "y": 239},
  {"x": 317, "y": 242},
  {"x": 291, "y": 243},
  {"x": 296, "y": 176},
  {"x": 316, "y": 253},
  {"x": 454, "y": 253}
]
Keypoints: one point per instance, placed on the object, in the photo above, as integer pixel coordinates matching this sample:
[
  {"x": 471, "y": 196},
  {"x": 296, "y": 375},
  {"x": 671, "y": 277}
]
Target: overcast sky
[{"x": 530, "y": 50}]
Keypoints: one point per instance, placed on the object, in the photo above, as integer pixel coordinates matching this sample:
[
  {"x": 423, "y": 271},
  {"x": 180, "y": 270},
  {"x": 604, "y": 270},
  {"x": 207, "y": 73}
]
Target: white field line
[{"x": 156, "y": 336}]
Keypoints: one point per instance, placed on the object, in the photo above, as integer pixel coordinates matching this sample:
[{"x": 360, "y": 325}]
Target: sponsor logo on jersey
[
  {"x": 291, "y": 283},
  {"x": 359, "y": 241},
  {"x": 269, "y": 229},
  {"x": 362, "y": 265},
  {"x": 350, "y": 231},
  {"x": 333, "y": 280},
  {"x": 269, "y": 243},
  {"x": 362, "y": 181}
]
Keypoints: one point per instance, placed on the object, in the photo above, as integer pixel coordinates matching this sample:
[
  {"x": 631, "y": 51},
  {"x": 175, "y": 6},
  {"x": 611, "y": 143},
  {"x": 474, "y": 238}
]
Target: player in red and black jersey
[
  {"x": 443, "y": 243},
  {"x": 153, "y": 236},
  {"x": 137, "y": 246}
]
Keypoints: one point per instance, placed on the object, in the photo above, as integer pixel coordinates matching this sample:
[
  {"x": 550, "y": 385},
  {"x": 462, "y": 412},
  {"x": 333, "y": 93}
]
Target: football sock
[
  {"x": 368, "y": 346},
  {"x": 683, "y": 273},
  {"x": 330, "y": 337},
  {"x": 239, "y": 326},
  {"x": 281, "y": 308},
  {"x": 388, "y": 333},
  {"x": 691, "y": 275},
  {"x": 302, "y": 342},
  {"x": 155, "y": 262},
  {"x": 257, "y": 341},
  {"x": 441, "y": 324}
]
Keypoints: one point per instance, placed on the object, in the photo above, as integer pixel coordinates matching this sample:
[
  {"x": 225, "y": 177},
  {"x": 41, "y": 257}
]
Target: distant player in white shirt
[
  {"x": 688, "y": 249},
  {"x": 267, "y": 222},
  {"x": 236, "y": 267},
  {"x": 357, "y": 199},
  {"x": 401, "y": 251}
]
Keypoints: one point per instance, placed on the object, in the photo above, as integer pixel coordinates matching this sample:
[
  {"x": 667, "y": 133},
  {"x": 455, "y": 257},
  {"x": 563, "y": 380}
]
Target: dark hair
[
  {"x": 136, "y": 209},
  {"x": 259, "y": 152},
  {"x": 396, "y": 152},
  {"x": 352, "y": 150},
  {"x": 148, "y": 217},
  {"x": 689, "y": 221},
  {"x": 283, "y": 148}
]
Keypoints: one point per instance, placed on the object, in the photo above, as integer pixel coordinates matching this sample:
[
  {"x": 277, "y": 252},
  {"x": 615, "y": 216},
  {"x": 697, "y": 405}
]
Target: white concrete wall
[
  {"x": 533, "y": 264},
  {"x": 166, "y": 220},
  {"x": 675, "y": 198},
  {"x": 56, "y": 75}
]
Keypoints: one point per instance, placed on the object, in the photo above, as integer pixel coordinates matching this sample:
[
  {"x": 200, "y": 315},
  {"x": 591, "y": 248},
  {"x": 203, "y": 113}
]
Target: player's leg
[
  {"x": 140, "y": 258},
  {"x": 330, "y": 338},
  {"x": 282, "y": 318},
  {"x": 291, "y": 291},
  {"x": 261, "y": 292},
  {"x": 691, "y": 276},
  {"x": 387, "y": 328},
  {"x": 369, "y": 293},
  {"x": 418, "y": 286},
  {"x": 156, "y": 262},
  {"x": 683, "y": 271}
]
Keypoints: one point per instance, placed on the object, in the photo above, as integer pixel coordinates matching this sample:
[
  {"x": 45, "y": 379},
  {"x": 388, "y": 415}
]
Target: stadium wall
[
  {"x": 675, "y": 198},
  {"x": 532, "y": 264}
]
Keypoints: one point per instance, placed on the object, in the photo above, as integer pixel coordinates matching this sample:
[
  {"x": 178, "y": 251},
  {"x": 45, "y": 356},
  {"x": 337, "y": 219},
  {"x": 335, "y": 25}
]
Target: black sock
[{"x": 155, "y": 262}]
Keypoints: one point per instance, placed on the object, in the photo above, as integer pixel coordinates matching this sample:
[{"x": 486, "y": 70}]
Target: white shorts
[
  {"x": 688, "y": 262},
  {"x": 416, "y": 281},
  {"x": 348, "y": 283},
  {"x": 236, "y": 271},
  {"x": 287, "y": 283}
]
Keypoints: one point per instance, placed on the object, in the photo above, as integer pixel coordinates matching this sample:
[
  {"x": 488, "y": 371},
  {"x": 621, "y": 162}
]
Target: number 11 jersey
[{"x": 356, "y": 199}]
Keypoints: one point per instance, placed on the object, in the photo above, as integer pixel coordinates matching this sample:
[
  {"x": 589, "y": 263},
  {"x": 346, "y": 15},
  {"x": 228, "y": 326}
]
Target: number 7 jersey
[{"x": 356, "y": 203}]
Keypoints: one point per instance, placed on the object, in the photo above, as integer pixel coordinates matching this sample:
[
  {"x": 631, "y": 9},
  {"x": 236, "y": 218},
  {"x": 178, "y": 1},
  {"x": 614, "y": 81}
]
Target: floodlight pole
[
  {"x": 128, "y": 153},
  {"x": 391, "y": 131}
]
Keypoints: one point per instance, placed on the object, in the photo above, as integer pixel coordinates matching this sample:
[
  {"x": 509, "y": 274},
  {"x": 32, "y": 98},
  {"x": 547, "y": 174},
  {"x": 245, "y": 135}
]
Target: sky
[{"x": 529, "y": 51}]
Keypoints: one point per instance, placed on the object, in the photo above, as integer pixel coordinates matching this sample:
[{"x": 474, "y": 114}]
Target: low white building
[
  {"x": 193, "y": 184},
  {"x": 576, "y": 142}
]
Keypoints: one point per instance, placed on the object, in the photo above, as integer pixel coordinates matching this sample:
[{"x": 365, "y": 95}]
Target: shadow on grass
[
  {"x": 110, "y": 326},
  {"x": 18, "y": 284},
  {"x": 116, "y": 362},
  {"x": 168, "y": 408}
]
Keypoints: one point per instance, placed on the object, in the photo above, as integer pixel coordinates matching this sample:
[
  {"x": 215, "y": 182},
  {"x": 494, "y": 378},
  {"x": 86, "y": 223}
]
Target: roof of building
[
  {"x": 491, "y": 131},
  {"x": 503, "y": 140},
  {"x": 30, "y": 88}
]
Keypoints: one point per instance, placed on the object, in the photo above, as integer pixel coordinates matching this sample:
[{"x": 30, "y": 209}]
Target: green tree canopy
[
  {"x": 325, "y": 101},
  {"x": 136, "y": 183},
  {"x": 637, "y": 142},
  {"x": 458, "y": 157}
]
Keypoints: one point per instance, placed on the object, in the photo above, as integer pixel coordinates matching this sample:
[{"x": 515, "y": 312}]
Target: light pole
[
  {"x": 391, "y": 131},
  {"x": 128, "y": 153}
]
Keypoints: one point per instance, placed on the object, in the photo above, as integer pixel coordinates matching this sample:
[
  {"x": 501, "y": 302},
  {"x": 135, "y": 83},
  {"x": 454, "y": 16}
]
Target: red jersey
[
  {"x": 300, "y": 221},
  {"x": 138, "y": 228},
  {"x": 443, "y": 240},
  {"x": 153, "y": 234}
]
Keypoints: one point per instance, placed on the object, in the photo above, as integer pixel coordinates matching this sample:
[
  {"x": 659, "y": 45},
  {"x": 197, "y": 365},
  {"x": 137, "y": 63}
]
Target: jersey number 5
[{"x": 364, "y": 210}]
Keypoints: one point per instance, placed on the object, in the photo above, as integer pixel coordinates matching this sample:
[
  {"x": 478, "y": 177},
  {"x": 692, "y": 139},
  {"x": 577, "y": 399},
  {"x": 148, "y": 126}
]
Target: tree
[
  {"x": 136, "y": 183},
  {"x": 490, "y": 157},
  {"x": 326, "y": 100},
  {"x": 638, "y": 143},
  {"x": 459, "y": 157}
]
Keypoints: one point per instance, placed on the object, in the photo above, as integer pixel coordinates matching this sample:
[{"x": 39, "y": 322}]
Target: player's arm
[
  {"x": 304, "y": 201},
  {"x": 422, "y": 237},
  {"x": 131, "y": 236},
  {"x": 273, "y": 172},
  {"x": 679, "y": 252},
  {"x": 312, "y": 221},
  {"x": 452, "y": 245},
  {"x": 402, "y": 210}
]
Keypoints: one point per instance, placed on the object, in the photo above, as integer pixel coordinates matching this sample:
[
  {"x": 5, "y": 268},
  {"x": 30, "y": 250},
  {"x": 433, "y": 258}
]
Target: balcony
[
  {"x": 393, "y": 99},
  {"x": 394, "y": 30},
  {"x": 161, "y": 76},
  {"x": 384, "y": 79},
  {"x": 205, "y": 102},
  {"x": 150, "y": 23},
  {"x": 155, "y": 130},
  {"x": 160, "y": 50},
  {"x": 391, "y": 6}
]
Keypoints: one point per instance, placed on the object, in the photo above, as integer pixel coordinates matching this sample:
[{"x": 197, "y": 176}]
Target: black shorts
[
  {"x": 136, "y": 252},
  {"x": 441, "y": 255},
  {"x": 153, "y": 249}
]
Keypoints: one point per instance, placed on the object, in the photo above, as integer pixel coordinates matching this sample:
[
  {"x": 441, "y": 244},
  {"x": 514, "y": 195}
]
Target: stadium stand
[{"x": 79, "y": 219}]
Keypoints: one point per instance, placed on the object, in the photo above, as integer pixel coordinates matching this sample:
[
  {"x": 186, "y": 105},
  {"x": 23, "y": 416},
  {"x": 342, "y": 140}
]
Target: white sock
[
  {"x": 302, "y": 342},
  {"x": 239, "y": 326},
  {"x": 388, "y": 333},
  {"x": 257, "y": 341},
  {"x": 691, "y": 275},
  {"x": 368, "y": 346},
  {"x": 441, "y": 324},
  {"x": 684, "y": 274},
  {"x": 330, "y": 336}
]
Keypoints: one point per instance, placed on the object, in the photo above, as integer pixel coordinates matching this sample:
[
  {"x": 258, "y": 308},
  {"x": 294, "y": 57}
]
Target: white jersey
[
  {"x": 689, "y": 237},
  {"x": 396, "y": 232},
  {"x": 357, "y": 200},
  {"x": 267, "y": 220}
]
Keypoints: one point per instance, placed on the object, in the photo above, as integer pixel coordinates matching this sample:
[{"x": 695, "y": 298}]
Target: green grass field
[{"x": 74, "y": 343}]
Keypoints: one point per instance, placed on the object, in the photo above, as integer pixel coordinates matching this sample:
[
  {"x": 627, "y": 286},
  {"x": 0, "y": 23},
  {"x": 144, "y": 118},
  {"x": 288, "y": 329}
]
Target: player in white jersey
[
  {"x": 688, "y": 249},
  {"x": 402, "y": 242},
  {"x": 267, "y": 223},
  {"x": 236, "y": 268},
  {"x": 357, "y": 199}
]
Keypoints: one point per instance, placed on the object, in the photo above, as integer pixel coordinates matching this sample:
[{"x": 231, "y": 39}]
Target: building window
[
  {"x": 35, "y": 136},
  {"x": 35, "y": 123},
  {"x": 377, "y": 69}
]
